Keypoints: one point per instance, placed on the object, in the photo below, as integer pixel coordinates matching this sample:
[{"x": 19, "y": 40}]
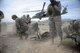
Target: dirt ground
[{"x": 15, "y": 45}]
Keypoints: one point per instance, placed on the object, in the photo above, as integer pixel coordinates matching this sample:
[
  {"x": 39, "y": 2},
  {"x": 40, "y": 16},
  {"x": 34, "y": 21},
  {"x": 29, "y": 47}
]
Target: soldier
[
  {"x": 74, "y": 26},
  {"x": 28, "y": 19},
  {"x": 54, "y": 12},
  {"x": 21, "y": 25},
  {"x": 35, "y": 27},
  {"x": 71, "y": 26},
  {"x": 1, "y": 17}
]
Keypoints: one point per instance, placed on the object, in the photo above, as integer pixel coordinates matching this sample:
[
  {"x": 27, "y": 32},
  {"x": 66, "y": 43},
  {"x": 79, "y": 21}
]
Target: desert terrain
[{"x": 13, "y": 44}]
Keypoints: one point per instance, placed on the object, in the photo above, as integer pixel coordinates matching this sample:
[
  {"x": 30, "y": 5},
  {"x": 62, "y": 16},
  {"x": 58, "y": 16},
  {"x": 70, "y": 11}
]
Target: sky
[{"x": 10, "y": 7}]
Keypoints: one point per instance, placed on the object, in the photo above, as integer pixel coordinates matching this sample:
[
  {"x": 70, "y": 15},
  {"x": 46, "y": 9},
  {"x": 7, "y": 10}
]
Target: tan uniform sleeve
[
  {"x": 49, "y": 10},
  {"x": 58, "y": 8},
  {"x": 17, "y": 23}
]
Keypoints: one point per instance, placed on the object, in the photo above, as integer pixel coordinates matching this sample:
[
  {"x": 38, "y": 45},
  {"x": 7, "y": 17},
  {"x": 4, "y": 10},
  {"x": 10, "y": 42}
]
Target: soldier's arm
[
  {"x": 49, "y": 10},
  {"x": 29, "y": 19},
  {"x": 17, "y": 24},
  {"x": 58, "y": 8}
]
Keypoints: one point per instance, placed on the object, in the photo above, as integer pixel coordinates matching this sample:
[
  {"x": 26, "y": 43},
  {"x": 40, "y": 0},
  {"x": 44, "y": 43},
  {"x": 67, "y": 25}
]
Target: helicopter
[
  {"x": 39, "y": 14},
  {"x": 42, "y": 13}
]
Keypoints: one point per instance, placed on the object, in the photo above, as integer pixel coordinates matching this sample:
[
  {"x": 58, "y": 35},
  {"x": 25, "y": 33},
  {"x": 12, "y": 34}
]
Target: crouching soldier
[
  {"x": 21, "y": 26},
  {"x": 74, "y": 26}
]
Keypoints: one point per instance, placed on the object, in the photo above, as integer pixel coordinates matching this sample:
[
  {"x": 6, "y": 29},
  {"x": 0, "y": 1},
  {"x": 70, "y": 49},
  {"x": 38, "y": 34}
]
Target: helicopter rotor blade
[
  {"x": 36, "y": 10},
  {"x": 31, "y": 11},
  {"x": 43, "y": 7}
]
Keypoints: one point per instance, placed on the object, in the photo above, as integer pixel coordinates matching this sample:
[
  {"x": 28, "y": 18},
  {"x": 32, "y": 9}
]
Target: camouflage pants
[
  {"x": 22, "y": 32},
  {"x": 55, "y": 27}
]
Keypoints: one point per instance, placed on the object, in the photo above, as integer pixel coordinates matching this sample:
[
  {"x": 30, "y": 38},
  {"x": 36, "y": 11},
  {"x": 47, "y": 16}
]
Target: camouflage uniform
[
  {"x": 35, "y": 27},
  {"x": 22, "y": 26},
  {"x": 74, "y": 27},
  {"x": 55, "y": 20}
]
